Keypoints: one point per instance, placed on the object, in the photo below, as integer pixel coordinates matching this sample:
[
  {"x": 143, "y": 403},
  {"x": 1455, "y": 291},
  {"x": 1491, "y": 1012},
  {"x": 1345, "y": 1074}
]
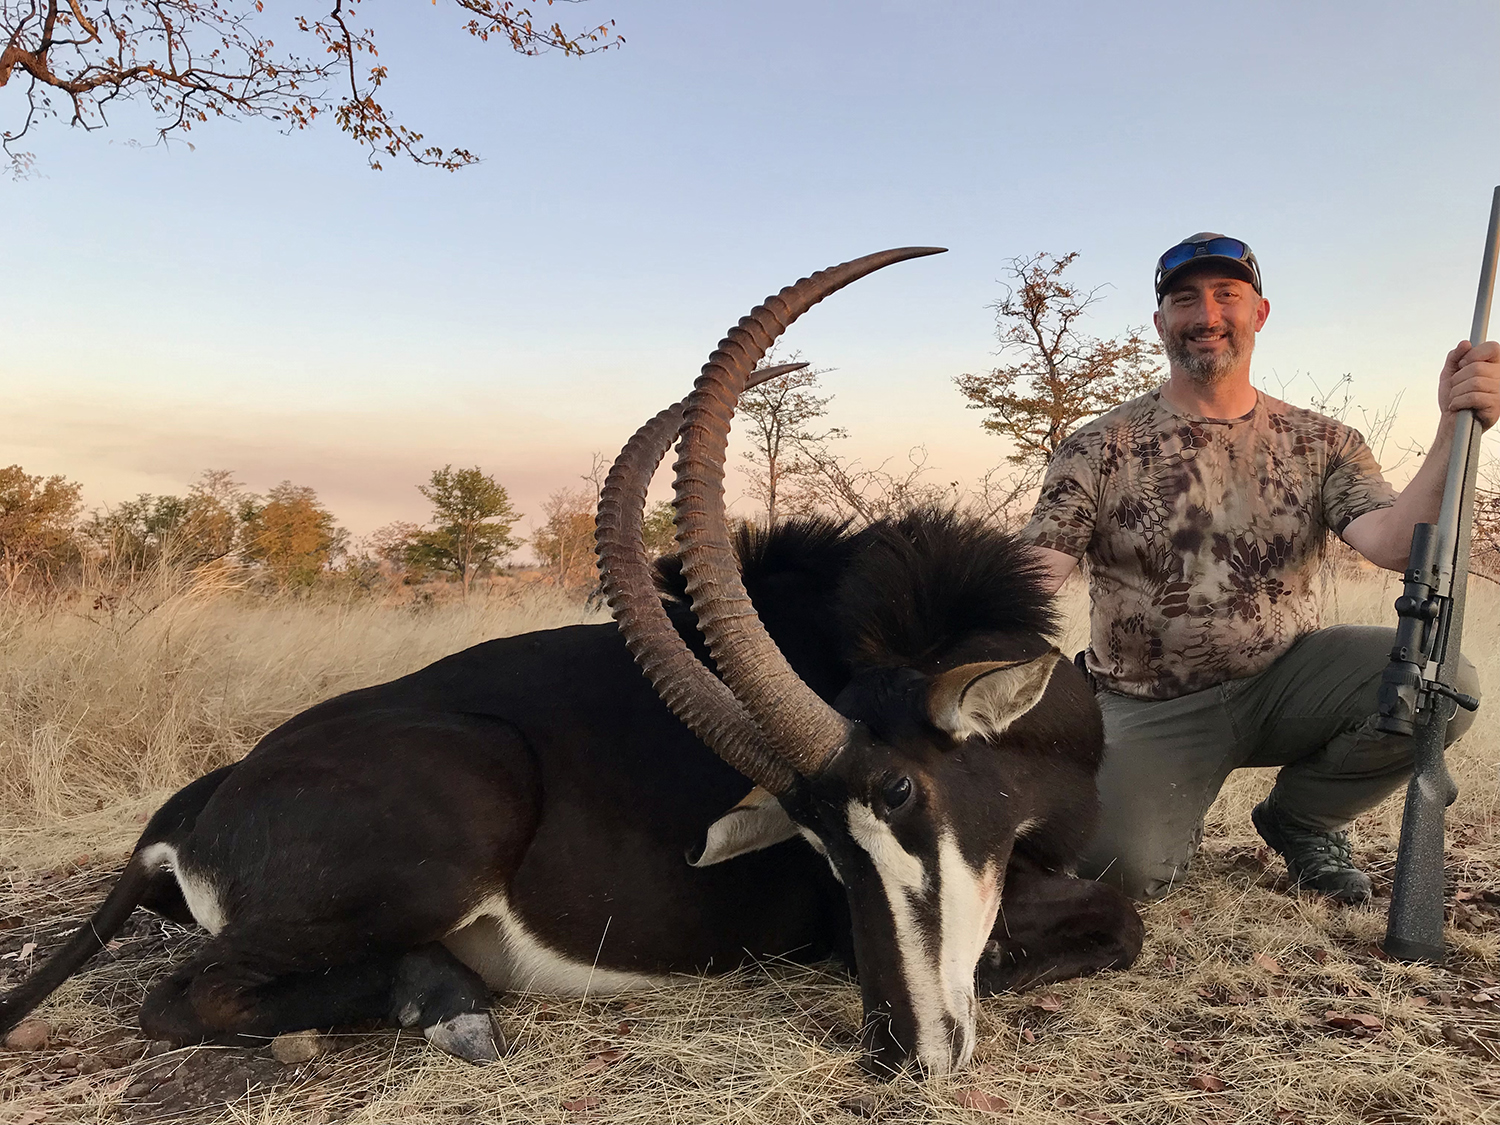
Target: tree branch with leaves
[
  {"x": 290, "y": 535},
  {"x": 192, "y": 60}
]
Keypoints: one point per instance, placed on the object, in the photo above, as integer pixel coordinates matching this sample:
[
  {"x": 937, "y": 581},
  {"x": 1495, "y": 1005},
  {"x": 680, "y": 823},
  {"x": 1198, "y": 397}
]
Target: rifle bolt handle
[{"x": 1467, "y": 702}]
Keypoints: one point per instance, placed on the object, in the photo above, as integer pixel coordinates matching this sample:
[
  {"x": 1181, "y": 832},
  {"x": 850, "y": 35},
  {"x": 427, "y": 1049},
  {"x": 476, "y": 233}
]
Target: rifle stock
[{"x": 1417, "y": 696}]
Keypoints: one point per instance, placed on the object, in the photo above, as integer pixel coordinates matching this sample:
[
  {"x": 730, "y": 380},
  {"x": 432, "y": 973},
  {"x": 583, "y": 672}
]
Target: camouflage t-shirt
[{"x": 1203, "y": 536}]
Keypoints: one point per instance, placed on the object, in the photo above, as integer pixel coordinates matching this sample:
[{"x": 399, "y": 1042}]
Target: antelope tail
[{"x": 86, "y": 941}]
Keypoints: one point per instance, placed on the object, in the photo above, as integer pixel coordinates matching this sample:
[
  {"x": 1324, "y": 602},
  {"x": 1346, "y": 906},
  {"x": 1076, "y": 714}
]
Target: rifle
[{"x": 1416, "y": 690}]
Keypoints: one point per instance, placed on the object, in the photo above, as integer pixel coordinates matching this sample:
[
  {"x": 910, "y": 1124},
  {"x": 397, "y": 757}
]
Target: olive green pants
[{"x": 1312, "y": 713}]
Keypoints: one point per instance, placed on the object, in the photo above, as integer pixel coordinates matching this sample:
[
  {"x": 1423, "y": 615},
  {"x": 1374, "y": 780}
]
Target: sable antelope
[{"x": 530, "y": 815}]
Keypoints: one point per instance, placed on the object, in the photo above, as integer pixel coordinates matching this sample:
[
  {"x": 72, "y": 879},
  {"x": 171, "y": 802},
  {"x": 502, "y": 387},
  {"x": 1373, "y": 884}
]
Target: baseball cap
[{"x": 1233, "y": 256}]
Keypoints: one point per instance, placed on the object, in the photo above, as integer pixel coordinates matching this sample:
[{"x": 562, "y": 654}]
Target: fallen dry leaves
[
  {"x": 1183, "y": 1050},
  {"x": 1048, "y": 1002},
  {"x": 982, "y": 1100},
  {"x": 603, "y": 1060},
  {"x": 1268, "y": 964},
  {"x": 1354, "y": 1021}
]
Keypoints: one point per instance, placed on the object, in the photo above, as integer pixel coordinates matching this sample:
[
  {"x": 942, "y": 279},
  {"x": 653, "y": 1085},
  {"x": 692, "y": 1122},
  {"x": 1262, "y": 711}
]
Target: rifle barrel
[
  {"x": 1481, "y": 326},
  {"x": 1414, "y": 930}
]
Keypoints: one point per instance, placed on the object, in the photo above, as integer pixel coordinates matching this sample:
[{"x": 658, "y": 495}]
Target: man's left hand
[{"x": 1471, "y": 381}]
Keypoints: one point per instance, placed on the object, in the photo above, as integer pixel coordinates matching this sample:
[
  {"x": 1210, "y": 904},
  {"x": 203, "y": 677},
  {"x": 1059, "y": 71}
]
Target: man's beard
[{"x": 1207, "y": 368}]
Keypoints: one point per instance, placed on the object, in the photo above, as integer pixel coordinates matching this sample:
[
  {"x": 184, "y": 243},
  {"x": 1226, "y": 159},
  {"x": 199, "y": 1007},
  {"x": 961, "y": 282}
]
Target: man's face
[{"x": 1207, "y": 323}]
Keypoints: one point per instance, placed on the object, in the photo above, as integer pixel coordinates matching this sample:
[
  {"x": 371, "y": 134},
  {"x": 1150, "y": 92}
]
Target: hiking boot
[{"x": 1319, "y": 861}]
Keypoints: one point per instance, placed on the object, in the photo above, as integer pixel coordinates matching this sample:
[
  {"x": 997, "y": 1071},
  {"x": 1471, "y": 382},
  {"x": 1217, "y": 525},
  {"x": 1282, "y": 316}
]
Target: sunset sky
[{"x": 267, "y": 304}]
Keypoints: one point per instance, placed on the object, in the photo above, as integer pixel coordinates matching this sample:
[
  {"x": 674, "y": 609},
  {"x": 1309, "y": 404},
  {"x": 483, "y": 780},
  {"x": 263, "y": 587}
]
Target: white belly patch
[
  {"x": 202, "y": 898},
  {"x": 494, "y": 942}
]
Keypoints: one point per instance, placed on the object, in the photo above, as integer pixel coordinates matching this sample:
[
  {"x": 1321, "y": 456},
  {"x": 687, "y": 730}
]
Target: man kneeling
[{"x": 1202, "y": 508}]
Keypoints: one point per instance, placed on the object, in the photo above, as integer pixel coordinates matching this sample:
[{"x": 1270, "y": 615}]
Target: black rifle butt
[{"x": 1414, "y": 926}]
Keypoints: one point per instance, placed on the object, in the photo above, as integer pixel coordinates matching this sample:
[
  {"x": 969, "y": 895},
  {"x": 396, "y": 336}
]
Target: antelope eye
[{"x": 897, "y": 792}]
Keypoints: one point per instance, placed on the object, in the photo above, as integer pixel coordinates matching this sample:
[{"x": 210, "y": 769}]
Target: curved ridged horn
[
  {"x": 690, "y": 690},
  {"x": 802, "y": 728}
]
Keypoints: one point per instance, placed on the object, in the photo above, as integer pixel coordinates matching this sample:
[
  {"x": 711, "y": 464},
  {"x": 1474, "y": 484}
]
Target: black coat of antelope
[{"x": 531, "y": 815}]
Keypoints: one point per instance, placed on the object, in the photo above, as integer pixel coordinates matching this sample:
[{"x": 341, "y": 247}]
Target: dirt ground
[{"x": 1248, "y": 1004}]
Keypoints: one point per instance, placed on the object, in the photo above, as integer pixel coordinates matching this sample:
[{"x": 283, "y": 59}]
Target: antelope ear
[
  {"x": 984, "y": 699},
  {"x": 757, "y": 822}
]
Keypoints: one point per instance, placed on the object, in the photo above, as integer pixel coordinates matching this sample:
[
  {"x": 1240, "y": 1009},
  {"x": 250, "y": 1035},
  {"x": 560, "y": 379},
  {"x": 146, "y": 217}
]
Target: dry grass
[
  {"x": 104, "y": 713},
  {"x": 1225, "y": 1018}
]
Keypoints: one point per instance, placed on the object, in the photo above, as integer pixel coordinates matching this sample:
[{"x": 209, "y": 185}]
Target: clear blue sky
[{"x": 267, "y": 304}]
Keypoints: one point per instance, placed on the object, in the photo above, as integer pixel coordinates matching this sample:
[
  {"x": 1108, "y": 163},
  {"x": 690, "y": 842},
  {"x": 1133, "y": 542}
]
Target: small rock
[
  {"x": 92, "y": 1064},
  {"x": 861, "y": 1105},
  {"x": 29, "y": 1035},
  {"x": 292, "y": 1047},
  {"x": 157, "y": 1047},
  {"x": 1457, "y": 1036},
  {"x": 68, "y": 1060}
]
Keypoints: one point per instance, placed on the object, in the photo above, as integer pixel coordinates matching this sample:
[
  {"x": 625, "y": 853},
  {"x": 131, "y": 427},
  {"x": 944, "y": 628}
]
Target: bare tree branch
[{"x": 776, "y": 418}]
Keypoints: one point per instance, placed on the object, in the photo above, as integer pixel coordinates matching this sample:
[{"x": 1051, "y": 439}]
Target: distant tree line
[
  {"x": 1054, "y": 376},
  {"x": 284, "y": 540},
  {"x": 1058, "y": 376}
]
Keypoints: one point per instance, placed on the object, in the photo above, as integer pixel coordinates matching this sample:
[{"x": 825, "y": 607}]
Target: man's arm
[
  {"x": 1059, "y": 565},
  {"x": 1470, "y": 380}
]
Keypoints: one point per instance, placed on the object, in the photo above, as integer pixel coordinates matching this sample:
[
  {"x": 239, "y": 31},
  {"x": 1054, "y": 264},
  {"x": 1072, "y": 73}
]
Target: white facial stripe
[
  {"x": 940, "y": 983},
  {"x": 970, "y": 901},
  {"x": 896, "y": 865},
  {"x": 201, "y": 897}
]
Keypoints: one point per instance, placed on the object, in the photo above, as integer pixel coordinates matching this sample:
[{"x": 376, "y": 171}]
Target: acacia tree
[
  {"x": 777, "y": 415},
  {"x": 390, "y": 545},
  {"x": 471, "y": 517},
  {"x": 1061, "y": 376},
  {"x": 36, "y": 526},
  {"x": 290, "y": 534},
  {"x": 190, "y": 60}
]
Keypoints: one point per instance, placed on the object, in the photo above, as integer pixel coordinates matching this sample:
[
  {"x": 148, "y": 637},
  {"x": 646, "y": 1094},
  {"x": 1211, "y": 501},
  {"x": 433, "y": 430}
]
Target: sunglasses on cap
[{"x": 1184, "y": 253}]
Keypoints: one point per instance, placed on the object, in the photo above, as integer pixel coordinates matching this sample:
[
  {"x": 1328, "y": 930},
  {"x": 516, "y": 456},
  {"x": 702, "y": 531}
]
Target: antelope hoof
[{"x": 469, "y": 1035}]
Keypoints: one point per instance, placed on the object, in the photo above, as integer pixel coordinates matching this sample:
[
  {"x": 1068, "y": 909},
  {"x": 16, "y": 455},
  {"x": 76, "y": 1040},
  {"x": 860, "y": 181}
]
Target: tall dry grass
[{"x": 107, "y": 705}]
